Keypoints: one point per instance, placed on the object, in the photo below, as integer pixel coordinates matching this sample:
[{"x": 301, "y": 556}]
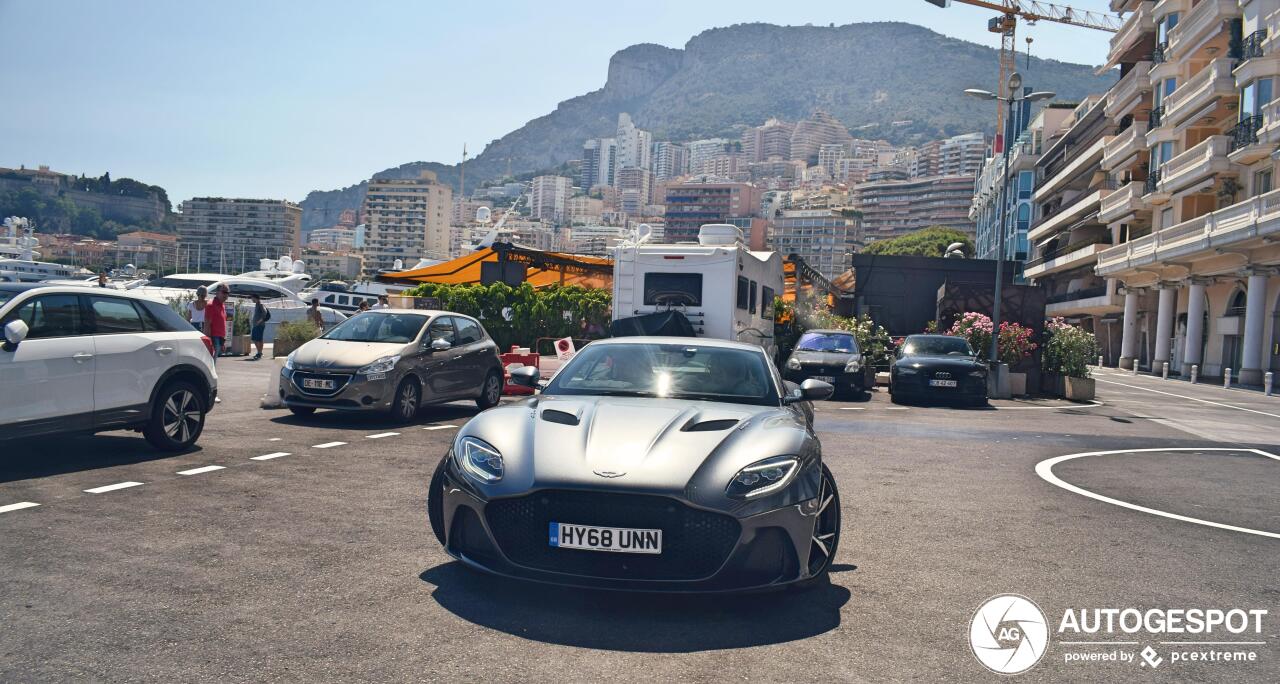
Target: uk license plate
[
  {"x": 615, "y": 539},
  {"x": 942, "y": 383},
  {"x": 313, "y": 383},
  {"x": 824, "y": 378}
]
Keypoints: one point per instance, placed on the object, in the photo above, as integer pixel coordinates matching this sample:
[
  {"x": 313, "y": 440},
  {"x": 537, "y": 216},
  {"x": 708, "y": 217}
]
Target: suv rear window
[
  {"x": 164, "y": 317},
  {"x": 114, "y": 315}
]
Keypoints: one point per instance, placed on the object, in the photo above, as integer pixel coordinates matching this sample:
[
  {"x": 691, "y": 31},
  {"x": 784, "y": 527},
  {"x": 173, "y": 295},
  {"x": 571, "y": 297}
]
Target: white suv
[{"x": 80, "y": 359}]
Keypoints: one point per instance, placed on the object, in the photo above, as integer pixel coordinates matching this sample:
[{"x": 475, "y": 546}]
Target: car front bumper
[
  {"x": 918, "y": 386},
  {"x": 703, "y": 551},
  {"x": 844, "y": 381},
  {"x": 355, "y": 392}
]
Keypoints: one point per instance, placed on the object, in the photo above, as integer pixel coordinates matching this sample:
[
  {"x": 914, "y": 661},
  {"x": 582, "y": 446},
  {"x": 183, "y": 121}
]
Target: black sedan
[
  {"x": 830, "y": 356},
  {"x": 938, "y": 367}
]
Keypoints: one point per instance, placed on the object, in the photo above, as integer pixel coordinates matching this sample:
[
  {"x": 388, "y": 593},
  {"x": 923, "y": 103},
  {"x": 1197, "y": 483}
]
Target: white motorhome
[{"x": 723, "y": 288}]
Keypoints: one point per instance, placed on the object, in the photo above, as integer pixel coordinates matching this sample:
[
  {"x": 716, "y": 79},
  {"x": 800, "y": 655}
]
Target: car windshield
[
  {"x": 937, "y": 346},
  {"x": 827, "y": 342},
  {"x": 674, "y": 371},
  {"x": 378, "y": 327}
]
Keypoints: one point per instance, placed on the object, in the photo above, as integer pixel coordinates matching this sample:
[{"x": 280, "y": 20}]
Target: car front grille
[
  {"x": 816, "y": 369},
  {"x": 695, "y": 543},
  {"x": 340, "y": 382}
]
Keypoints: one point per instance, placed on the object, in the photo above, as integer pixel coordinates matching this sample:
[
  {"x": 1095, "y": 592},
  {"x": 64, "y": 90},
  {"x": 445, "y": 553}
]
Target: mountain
[{"x": 889, "y": 80}]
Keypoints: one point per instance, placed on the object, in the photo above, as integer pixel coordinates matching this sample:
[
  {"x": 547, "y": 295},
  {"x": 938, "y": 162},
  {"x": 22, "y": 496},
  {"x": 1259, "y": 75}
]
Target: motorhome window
[
  {"x": 674, "y": 289},
  {"x": 766, "y": 302},
  {"x": 744, "y": 296},
  {"x": 752, "y": 306}
]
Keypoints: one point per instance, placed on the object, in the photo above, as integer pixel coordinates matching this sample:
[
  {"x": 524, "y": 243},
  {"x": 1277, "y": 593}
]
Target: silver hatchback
[{"x": 394, "y": 360}]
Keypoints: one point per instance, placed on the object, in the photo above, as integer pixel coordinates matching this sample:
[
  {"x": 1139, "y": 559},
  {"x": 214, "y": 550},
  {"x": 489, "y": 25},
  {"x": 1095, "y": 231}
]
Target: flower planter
[
  {"x": 284, "y": 347},
  {"x": 1017, "y": 384},
  {"x": 1079, "y": 389},
  {"x": 240, "y": 345},
  {"x": 1051, "y": 384}
]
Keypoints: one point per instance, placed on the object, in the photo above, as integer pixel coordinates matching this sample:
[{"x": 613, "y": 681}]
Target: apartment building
[
  {"x": 323, "y": 263},
  {"x": 146, "y": 248},
  {"x": 548, "y": 197},
  {"x": 893, "y": 204},
  {"x": 337, "y": 237},
  {"x": 406, "y": 220},
  {"x": 231, "y": 235},
  {"x": 825, "y": 238},
  {"x": 692, "y": 204},
  {"x": 821, "y": 128},
  {"x": 1067, "y": 233},
  {"x": 634, "y": 145},
  {"x": 770, "y": 141},
  {"x": 634, "y": 190},
  {"x": 599, "y": 158},
  {"x": 669, "y": 161},
  {"x": 1194, "y": 214},
  {"x": 595, "y": 240},
  {"x": 701, "y": 151}
]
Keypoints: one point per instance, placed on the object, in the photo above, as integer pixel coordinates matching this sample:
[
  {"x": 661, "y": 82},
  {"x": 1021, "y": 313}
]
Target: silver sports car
[{"x": 647, "y": 463}]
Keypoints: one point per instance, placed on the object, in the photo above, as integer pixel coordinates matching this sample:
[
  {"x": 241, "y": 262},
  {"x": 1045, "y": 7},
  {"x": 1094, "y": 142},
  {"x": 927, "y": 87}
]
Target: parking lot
[{"x": 284, "y": 549}]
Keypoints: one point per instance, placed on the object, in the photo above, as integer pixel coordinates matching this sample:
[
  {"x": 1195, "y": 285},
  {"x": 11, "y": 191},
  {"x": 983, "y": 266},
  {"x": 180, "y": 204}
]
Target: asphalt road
[{"x": 317, "y": 563}]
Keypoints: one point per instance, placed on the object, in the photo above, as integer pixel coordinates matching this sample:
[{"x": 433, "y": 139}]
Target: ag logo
[{"x": 1008, "y": 634}]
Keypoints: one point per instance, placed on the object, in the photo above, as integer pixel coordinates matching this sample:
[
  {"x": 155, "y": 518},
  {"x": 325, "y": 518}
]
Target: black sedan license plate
[
  {"x": 942, "y": 383},
  {"x": 312, "y": 383},
  {"x": 616, "y": 539}
]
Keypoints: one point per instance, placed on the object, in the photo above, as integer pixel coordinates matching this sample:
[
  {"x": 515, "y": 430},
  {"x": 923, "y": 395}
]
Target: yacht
[
  {"x": 283, "y": 303},
  {"x": 18, "y": 256},
  {"x": 288, "y": 273}
]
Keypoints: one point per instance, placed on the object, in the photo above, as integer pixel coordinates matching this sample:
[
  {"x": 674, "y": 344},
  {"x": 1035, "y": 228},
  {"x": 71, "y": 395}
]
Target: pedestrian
[
  {"x": 260, "y": 318},
  {"x": 195, "y": 308},
  {"x": 383, "y": 303},
  {"x": 215, "y": 319},
  {"x": 364, "y": 305},
  {"x": 102, "y": 279},
  {"x": 313, "y": 314}
]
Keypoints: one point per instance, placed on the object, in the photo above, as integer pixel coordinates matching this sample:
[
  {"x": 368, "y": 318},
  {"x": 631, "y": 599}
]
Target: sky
[{"x": 274, "y": 98}]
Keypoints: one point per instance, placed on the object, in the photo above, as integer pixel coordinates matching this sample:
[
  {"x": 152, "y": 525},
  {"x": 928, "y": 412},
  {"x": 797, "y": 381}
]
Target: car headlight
[
  {"x": 977, "y": 373},
  {"x": 793, "y": 363},
  {"x": 853, "y": 366},
  {"x": 382, "y": 365},
  {"x": 907, "y": 370},
  {"x": 758, "y": 479},
  {"x": 479, "y": 460},
  {"x": 288, "y": 361}
]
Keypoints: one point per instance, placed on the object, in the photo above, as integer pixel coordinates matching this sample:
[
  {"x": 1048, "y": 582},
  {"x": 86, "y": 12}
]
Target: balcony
[
  {"x": 1154, "y": 117},
  {"x": 1130, "y": 91},
  {"x": 1071, "y": 256},
  {"x": 1211, "y": 83},
  {"x": 1245, "y": 147},
  {"x": 1200, "y": 24},
  {"x": 1251, "y": 46},
  {"x": 1083, "y": 162},
  {"x": 1255, "y": 219},
  {"x": 1135, "y": 26},
  {"x": 1091, "y": 300},
  {"x": 1196, "y": 164},
  {"x": 1065, "y": 216},
  {"x": 1131, "y": 142},
  {"x": 1123, "y": 202}
]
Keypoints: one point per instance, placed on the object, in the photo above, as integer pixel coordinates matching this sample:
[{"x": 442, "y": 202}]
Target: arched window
[{"x": 1236, "y": 305}]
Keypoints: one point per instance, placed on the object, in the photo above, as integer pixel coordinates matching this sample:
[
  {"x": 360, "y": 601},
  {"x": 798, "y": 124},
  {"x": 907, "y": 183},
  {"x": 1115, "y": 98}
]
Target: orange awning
[{"x": 543, "y": 269}]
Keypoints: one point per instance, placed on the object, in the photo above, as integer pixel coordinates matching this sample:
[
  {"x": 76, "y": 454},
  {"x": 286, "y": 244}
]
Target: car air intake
[
  {"x": 554, "y": 416},
  {"x": 709, "y": 425}
]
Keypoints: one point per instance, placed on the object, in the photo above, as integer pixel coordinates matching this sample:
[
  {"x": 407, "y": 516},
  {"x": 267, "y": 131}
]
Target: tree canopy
[{"x": 929, "y": 242}]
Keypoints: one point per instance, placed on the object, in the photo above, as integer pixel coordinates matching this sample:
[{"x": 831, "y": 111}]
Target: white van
[{"x": 724, "y": 289}]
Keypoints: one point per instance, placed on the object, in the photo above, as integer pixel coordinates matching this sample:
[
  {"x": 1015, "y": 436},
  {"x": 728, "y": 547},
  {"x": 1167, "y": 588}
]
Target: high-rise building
[
  {"x": 829, "y": 155},
  {"x": 669, "y": 160},
  {"x": 634, "y": 190},
  {"x": 634, "y": 145},
  {"x": 893, "y": 204},
  {"x": 699, "y": 151},
  {"x": 599, "y": 158},
  {"x": 770, "y": 141},
  {"x": 337, "y": 238},
  {"x": 225, "y": 235},
  {"x": 407, "y": 220},
  {"x": 690, "y": 205},
  {"x": 548, "y": 196},
  {"x": 824, "y": 238},
  {"x": 821, "y": 128}
]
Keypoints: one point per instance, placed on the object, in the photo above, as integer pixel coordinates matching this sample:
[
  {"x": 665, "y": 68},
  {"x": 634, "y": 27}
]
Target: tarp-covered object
[
  {"x": 666, "y": 323},
  {"x": 467, "y": 270}
]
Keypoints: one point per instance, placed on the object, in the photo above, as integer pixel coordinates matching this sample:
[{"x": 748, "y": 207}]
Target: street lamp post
[{"x": 1013, "y": 86}]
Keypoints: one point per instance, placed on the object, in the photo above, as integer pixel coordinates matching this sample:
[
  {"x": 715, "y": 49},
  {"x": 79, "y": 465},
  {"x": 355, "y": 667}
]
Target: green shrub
[
  {"x": 521, "y": 315},
  {"x": 296, "y": 333},
  {"x": 1069, "y": 349}
]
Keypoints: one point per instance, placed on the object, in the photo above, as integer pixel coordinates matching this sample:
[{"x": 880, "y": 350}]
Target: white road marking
[
  {"x": 1183, "y": 396},
  {"x": 438, "y": 427},
  {"x": 274, "y": 439},
  {"x": 896, "y": 408},
  {"x": 380, "y": 435},
  {"x": 268, "y": 457},
  {"x": 1092, "y": 403},
  {"x": 202, "y": 469},
  {"x": 111, "y": 487},
  {"x": 18, "y": 506},
  {"x": 328, "y": 445},
  {"x": 1045, "y": 470},
  {"x": 853, "y": 408}
]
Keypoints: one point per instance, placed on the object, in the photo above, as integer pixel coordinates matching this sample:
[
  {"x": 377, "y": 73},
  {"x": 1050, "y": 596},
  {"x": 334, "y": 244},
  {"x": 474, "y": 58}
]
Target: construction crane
[{"x": 1031, "y": 11}]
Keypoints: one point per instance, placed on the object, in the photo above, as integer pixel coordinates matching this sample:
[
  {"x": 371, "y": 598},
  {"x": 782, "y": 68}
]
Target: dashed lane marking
[
  {"x": 201, "y": 469},
  {"x": 853, "y": 408},
  {"x": 328, "y": 445},
  {"x": 268, "y": 457},
  {"x": 896, "y": 408},
  {"x": 18, "y": 506},
  {"x": 438, "y": 427},
  {"x": 1183, "y": 396},
  {"x": 274, "y": 439},
  {"x": 112, "y": 487},
  {"x": 380, "y": 435}
]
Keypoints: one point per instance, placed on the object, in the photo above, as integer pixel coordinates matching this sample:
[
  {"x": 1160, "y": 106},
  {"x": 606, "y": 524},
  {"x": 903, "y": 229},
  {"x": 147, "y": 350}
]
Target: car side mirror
[
  {"x": 440, "y": 344},
  {"x": 811, "y": 390},
  {"x": 15, "y": 331},
  {"x": 526, "y": 376}
]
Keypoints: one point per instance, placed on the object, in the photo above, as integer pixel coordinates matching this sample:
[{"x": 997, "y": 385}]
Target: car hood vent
[
  {"x": 709, "y": 425},
  {"x": 554, "y": 416}
]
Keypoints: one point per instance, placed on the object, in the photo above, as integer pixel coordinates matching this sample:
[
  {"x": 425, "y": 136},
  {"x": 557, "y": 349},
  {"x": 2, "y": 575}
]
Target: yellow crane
[{"x": 1031, "y": 11}]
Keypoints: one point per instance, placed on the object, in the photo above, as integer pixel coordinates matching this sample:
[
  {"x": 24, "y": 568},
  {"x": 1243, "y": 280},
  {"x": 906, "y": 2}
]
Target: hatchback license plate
[
  {"x": 942, "y": 383},
  {"x": 615, "y": 539},
  {"x": 312, "y": 383}
]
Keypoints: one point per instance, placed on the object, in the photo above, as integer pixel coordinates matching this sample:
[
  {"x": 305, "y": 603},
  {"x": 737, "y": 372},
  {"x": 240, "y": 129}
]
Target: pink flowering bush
[
  {"x": 976, "y": 328},
  {"x": 1015, "y": 340},
  {"x": 1015, "y": 343}
]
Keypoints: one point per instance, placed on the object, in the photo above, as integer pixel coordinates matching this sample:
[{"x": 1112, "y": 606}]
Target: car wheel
[
  {"x": 177, "y": 419},
  {"x": 302, "y": 411},
  {"x": 826, "y": 530},
  {"x": 491, "y": 391},
  {"x": 408, "y": 397},
  {"x": 435, "y": 501}
]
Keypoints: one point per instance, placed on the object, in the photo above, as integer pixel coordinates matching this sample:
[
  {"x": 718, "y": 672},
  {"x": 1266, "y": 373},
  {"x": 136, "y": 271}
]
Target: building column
[
  {"x": 1195, "y": 327},
  {"x": 1129, "y": 329},
  {"x": 1255, "y": 309},
  {"x": 1164, "y": 325}
]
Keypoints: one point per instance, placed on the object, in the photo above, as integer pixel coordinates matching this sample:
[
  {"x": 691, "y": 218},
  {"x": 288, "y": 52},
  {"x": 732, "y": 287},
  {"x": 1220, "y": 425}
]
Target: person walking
[
  {"x": 195, "y": 308},
  {"x": 314, "y": 315},
  {"x": 259, "y": 323},
  {"x": 215, "y": 320}
]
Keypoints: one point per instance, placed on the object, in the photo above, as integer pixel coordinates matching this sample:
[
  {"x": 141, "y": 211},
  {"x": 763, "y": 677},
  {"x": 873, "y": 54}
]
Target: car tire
[
  {"x": 826, "y": 531},
  {"x": 490, "y": 391},
  {"x": 302, "y": 411},
  {"x": 435, "y": 501},
  {"x": 408, "y": 400},
  {"x": 177, "y": 417}
]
